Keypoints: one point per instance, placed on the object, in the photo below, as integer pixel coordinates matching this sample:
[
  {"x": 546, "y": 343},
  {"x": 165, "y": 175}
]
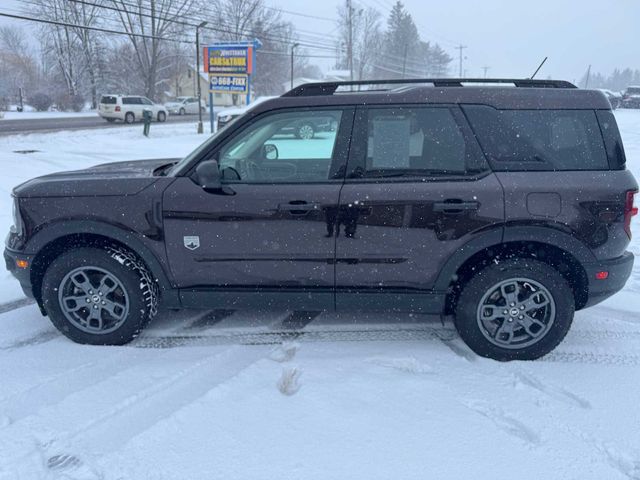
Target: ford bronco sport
[{"x": 504, "y": 203}]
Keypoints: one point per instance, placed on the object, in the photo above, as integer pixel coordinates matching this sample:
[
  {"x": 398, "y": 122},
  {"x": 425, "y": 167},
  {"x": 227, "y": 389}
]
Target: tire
[
  {"x": 110, "y": 120},
  {"x": 306, "y": 131},
  {"x": 162, "y": 117},
  {"x": 181, "y": 112},
  {"x": 110, "y": 283},
  {"x": 129, "y": 117},
  {"x": 517, "y": 335}
]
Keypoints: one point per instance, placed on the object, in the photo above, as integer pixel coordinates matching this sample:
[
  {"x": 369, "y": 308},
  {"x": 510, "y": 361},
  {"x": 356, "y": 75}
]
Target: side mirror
[
  {"x": 208, "y": 175},
  {"x": 269, "y": 152}
]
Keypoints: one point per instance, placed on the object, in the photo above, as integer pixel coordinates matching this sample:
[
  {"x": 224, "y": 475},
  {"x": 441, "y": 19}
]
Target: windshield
[{"x": 196, "y": 153}]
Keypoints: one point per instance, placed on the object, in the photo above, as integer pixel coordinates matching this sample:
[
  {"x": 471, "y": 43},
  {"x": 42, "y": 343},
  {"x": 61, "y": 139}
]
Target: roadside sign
[
  {"x": 220, "y": 59},
  {"x": 228, "y": 83}
]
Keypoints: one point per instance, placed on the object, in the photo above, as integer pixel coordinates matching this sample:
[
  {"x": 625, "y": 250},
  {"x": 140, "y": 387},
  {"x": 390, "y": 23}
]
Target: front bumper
[
  {"x": 23, "y": 275},
  {"x": 618, "y": 269}
]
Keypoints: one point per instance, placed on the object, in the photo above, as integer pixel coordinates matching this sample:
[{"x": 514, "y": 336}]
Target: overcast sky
[
  {"x": 513, "y": 36},
  {"x": 509, "y": 36}
]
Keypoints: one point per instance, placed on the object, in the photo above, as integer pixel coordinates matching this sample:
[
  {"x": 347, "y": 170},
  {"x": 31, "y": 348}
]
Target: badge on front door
[{"x": 191, "y": 242}]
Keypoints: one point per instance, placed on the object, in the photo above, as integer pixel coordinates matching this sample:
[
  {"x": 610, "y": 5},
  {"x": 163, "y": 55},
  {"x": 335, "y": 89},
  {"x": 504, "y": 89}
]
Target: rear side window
[
  {"x": 416, "y": 141},
  {"x": 131, "y": 101},
  {"x": 520, "y": 140},
  {"x": 108, "y": 100},
  {"x": 612, "y": 139}
]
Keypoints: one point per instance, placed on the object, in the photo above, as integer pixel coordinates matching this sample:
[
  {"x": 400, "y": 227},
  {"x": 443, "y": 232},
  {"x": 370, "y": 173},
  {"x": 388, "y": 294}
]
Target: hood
[
  {"x": 172, "y": 104},
  {"x": 108, "y": 179}
]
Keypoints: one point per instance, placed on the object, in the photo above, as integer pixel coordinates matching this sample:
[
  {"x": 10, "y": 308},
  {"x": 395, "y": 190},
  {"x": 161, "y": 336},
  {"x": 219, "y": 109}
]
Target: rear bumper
[
  {"x": 619, "y": 270},
  {"x": 22, "y": 274}
]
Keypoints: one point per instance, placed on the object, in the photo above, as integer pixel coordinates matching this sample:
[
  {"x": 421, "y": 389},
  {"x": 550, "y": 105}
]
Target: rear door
[{"x": 417, "y": 189}]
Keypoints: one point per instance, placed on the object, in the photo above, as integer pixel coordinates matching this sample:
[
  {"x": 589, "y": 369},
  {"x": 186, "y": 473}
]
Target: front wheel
[
  {"x": 162, "y": 116},
  {"x": 99, "y": 296},
  {"x": 515, "y": 310},
  {"x": 181, "y": 112}
]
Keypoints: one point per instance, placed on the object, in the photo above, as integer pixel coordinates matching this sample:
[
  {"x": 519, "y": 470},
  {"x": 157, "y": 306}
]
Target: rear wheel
[
  {"x": 129, "y": 117},
  {"x": 515, "y": 310},
  {"x": 99, "y": 296},
  {"x": 162, "y": 116},
  {"x": 181, "y": 112}
]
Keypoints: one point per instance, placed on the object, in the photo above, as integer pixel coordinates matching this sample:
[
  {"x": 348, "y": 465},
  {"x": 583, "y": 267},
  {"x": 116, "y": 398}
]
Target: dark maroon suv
[{"x": 505, "y": 203}]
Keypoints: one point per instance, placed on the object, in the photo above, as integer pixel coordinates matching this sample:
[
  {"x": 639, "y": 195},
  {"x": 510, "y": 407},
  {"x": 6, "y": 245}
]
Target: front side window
[
  {"x": 284, "y": 147},
  {"x": 416, "y": 141},
  {"x": 517, "y": 140}
]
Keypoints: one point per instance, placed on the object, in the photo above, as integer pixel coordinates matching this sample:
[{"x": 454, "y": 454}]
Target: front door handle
[
  {"x": 455, "y": 205},
  {"x": 298, "y": 207}
]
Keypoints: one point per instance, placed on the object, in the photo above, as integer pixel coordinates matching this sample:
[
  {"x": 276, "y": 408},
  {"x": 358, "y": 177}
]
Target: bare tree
[
  {"x": 17, "y": 63},
  {"x": 158, "y": 20},
  {"x": 246, "y": 20}
]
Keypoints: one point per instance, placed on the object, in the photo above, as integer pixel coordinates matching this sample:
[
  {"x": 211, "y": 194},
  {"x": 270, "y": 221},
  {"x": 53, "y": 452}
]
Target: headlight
[
  {"x": 17, "y": 219},
  {"x": 225, "y": 118}
]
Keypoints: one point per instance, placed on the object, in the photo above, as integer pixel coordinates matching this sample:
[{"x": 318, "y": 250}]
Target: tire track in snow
[
  {"x": 136, "y": 410},
  {"x": 553, "y": 391},
  {"x": 16, "y": 304},
  {"x": 592, "y": 358},
  {"x": 56, "y": 388},
  {"x": 504, "y": 421},
  {"x": 277, "y": 337},
  {"x": 142, "y": 410}
]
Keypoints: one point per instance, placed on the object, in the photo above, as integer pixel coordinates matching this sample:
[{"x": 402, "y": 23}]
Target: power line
[
  {"x": 97, "y": 29},
  {"x": 178, "y": 20}
]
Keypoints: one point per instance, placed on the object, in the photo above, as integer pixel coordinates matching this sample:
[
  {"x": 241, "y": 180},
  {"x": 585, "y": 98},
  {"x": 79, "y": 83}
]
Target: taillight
[
  {"x": 117, "y": 108},
  {"x": 629, "y": 211}
]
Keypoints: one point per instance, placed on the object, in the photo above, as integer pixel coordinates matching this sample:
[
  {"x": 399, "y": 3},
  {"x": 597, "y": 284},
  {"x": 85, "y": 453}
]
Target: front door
[
  {"x": 417, "y": 189},
  {"x": 268, "y": 227}
]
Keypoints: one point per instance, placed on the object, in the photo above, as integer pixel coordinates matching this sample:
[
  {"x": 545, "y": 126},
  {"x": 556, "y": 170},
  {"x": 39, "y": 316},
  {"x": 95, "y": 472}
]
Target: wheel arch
[
  {"x": 59, "y": 238},
  {"x": 556, "y": 248}
]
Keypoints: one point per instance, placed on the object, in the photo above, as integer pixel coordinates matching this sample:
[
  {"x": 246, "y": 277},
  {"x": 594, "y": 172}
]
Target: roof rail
[{"x": 329, "y": 88}]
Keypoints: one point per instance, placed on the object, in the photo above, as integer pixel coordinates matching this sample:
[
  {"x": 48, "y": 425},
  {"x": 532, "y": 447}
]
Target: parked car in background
[
  {"x": 185, "y": 106},
  {"x": 129, "y": 108},
  {"x": 305, "y": 129},
  {"x": 226, "y": 115},
  {"x": 615, "y": 98},
  {"x": 631, "y": 97}
]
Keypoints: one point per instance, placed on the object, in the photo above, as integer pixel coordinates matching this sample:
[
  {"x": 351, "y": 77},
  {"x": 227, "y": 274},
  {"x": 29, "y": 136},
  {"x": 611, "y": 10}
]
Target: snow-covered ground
[{"x": 249, "y": 395}]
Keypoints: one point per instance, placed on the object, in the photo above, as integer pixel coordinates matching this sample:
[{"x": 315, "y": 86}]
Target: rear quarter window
[{"x": 541, "y": 140}]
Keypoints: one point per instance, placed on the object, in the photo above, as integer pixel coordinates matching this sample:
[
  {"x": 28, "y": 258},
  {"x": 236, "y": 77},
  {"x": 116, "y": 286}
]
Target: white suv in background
[
  {"x": 185, "y": 105},
  {"x": 129, "y": 108}
]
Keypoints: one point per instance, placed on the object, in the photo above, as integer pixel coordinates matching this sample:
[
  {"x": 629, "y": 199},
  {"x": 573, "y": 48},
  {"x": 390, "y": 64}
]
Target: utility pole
[
  {"x": 404, "y": 60},
  {"x": 586, "y": 82},
  {"x": 350, "y": 40},
  {"x": 485, "y": 71},
  {"x": 460, "y": 48},
  {"x": 200, "y": 129},
  {"x": 293, "y": 47}
]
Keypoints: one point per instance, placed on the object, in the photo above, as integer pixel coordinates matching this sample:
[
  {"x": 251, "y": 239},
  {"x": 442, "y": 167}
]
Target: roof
[{"x": 521, "y": 94}]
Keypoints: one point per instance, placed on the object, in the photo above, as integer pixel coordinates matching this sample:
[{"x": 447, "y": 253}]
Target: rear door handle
[{"x": 455, "y": 205}]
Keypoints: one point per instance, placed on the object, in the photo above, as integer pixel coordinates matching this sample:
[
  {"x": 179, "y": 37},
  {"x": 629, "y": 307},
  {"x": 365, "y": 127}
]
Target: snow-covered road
[{"x": 300, "y": 395}]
